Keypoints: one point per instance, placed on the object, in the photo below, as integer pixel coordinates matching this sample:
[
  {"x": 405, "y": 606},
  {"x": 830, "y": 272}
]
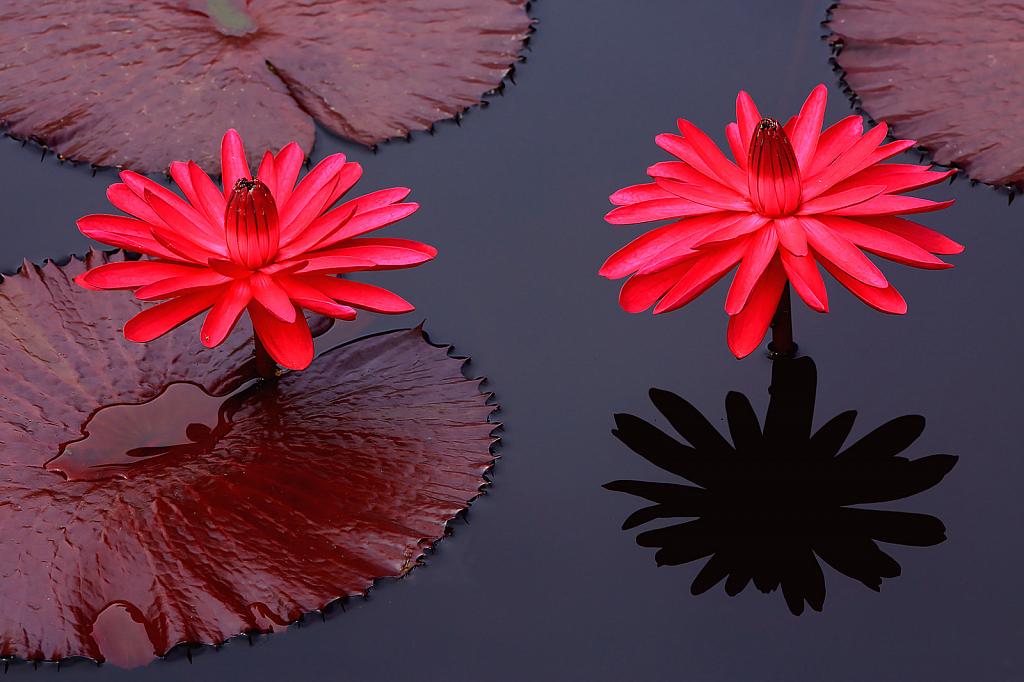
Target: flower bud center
[
  {"x": 251, "y": 225},
  {"x": 773, "y": 176}
]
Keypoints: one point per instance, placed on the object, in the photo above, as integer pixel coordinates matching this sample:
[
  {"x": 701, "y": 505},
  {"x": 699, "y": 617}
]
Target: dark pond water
[{"x": 542, "y": 583}]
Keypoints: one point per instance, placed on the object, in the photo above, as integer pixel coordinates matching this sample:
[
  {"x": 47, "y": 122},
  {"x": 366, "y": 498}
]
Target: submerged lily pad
[
  {"x": 768, "y": 504},
  {"x": 942, "y": 72},
  {"x": 139, "y": 85},
  {"x": 190, "y": 518}
]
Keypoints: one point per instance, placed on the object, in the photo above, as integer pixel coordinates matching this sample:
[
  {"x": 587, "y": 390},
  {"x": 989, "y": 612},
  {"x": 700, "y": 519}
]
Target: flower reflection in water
[
  {"x": 184, "y": 517},
  {"x": 769, "y": 502}
]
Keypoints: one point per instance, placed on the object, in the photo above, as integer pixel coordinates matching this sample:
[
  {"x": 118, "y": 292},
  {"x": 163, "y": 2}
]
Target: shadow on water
[{"x": 766, "y": 504}]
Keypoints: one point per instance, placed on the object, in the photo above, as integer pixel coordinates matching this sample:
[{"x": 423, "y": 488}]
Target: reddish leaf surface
[
  {"x": 944, "y": 73},
  {"x": 139, "y": 85},
  {"x": 192, "y": 518}
]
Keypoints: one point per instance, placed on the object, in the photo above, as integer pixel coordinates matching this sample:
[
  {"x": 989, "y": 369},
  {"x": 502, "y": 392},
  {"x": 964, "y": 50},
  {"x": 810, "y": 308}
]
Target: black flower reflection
[{"x": 771, "y": 501}]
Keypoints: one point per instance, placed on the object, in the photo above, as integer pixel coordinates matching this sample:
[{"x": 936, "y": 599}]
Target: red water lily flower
[
  {"x": 266, "y": 245},
  {"x": 796, "y": 197}
]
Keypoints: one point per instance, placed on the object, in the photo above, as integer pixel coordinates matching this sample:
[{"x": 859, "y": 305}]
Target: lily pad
[
  {"x": 138, "y": 510},
  {"x": 767, "y": 505},
  {"x": 139, "y": 85},
  {"x": 942, "y": 72}
]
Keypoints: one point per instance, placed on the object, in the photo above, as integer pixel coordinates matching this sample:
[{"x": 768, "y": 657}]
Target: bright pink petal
[
  {"x": 896, "y": 177},
  {"x": 358, "y": 294},
  {"x": 632, "y": 256},
  {"x": 233, "y": 165},
  {"x": 927, "y": 239},
  {"x": 181, "y": 245},
  {"x": 144, "y": 188},
  {"x": 177, "y": 286},
  {"x": 737, "y": 146},
  {"x": 267, "y": 173},
  {"x": 362, "y": 223},
  {"x": 761, "y": 249},
  {"x": 833, "y": 201},
  {"x": 324, "y": 232},
  {"x": 747, "y": 118},
  {"x": 885, "y": 299},
  {"x": 744, "y": 223},
  {"x": 132, "y": 274},
  {"x": 802, "y": 272},
  {"x": 162, "y": 318},
  {"x": 679, "y": 147},
  {"x": 808, "y": 127},
  {"x": 225, "y": 313},
  {"x": 125, "y": 233},
  {"x": 311, "y": 298},
  {"x": 323, "y": 173},
  {"x": 834, "y": 141},
  {"x": 892, "y": 205},
  {"x": 721, "y": 199},
  {"x": 229, "y": 268},
  {"x": 125, "y": 199},
  {"x": 210, "y": 199},
  {"x": 640, "y": 292},
  {"x": 657, "y": 209},
  {"x": 290, "y": 345},
  {"x": 842, "y": 253},
  {"x": 748, "y": 327},
  {"x": 708, "y": 269},
  {"x": 726, "y": 171},
  {"x": 190, "y": 225},
  {"x": 792, "y": 235},
  {"x": 272, "y": 295},
  {"x": 313, "y": 207},
  {"x": 847, "y": 163},
  {"x": 886, "y": 244},
  {"x": 287, "y": 163},
  {"x": 632, "y": 195}
]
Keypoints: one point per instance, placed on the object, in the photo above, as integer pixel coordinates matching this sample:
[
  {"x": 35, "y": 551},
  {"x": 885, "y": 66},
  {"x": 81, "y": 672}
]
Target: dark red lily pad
[
  {"x": 128, "y": 530},
  {"x": 139, "y": 85},
  {"x": 944, "y": 73}
]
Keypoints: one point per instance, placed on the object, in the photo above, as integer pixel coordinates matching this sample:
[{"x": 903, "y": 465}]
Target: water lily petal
[
  {"x": 847, "y": 163},
  {"x": 132, "y": 274},
  {"x": 926, "y": 238},
  {"x": 357, "y": 294},
  {"x": 225, "y": 313},
  {"x": 234, "y": 167},
  {"x": 748, "y": 327},
  {"x": 709, "y": 268},
  {"x": 287, "y": 165},
  {"x": 722, "y": 200},
  {"x": 311, "y": 298},
  {"x": 886, "y": 244},
  {"x": 125, "y": 233},
  {"x": 726, "y": 171},
  {"x": 640, "y": 292},
  {"x": 886, "y": 299},
  {"x": 162, "y": 318},
  {"x": 842, "y": 253},
  {"x": 747, "y": 118},
  {"x": 760, "y": 251},
  {"x": 272, "y": 295},
  {"x": 833, "y": 200},
  {"x": 176, "y": 286},
  {"x": 637, "y": 193},
  {"x": 290, "y": 345},
  {"x": 808, "y": 127},
  {"x": 792, "y": 235},
  {"x": 835, "y": 140},
  {"x": 323, "y": 173},
  {"x": 802, "y": 272},
  {"x": 657, "y": 209}
]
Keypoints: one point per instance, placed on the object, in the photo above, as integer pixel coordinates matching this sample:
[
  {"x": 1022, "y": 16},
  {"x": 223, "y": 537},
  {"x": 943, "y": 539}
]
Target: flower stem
[
  {"x": 782, "y": 345},
  {"x": 265, "y": 365}
]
